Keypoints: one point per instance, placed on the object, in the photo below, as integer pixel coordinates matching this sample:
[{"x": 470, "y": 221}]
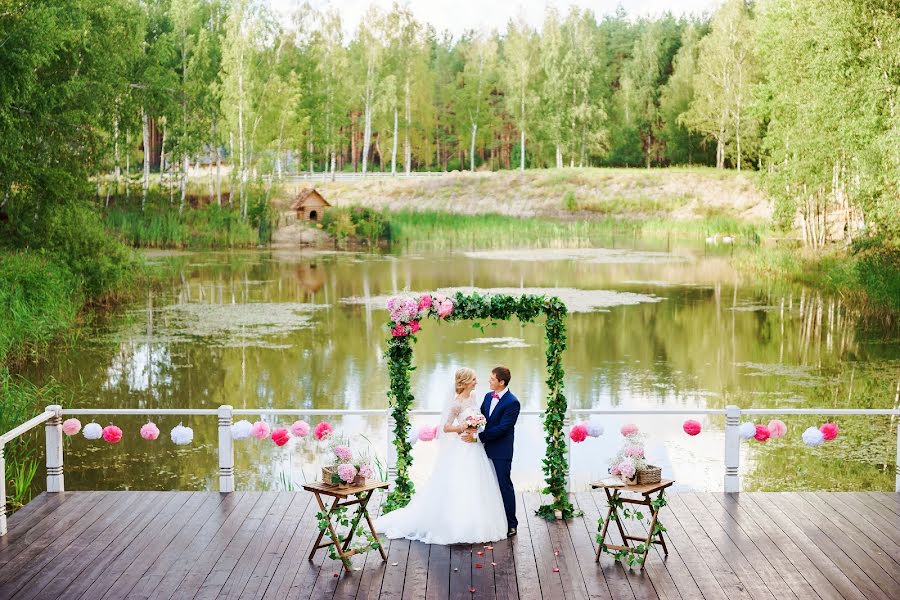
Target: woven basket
[
  {"x": 331, "y": 478},
  {"x": 649, "y": 474}
]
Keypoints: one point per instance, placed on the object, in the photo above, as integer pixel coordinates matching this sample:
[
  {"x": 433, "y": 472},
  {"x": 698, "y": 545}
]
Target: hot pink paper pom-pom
[
  {"x": 150, "y": 431},
  {"x": 71, "y": 426},
  {"x": 300, "y": 428},
  {"x": 578, "y": 433},
  {"x": 692, "y": 427},
  {"x": 323, "y": 430},
  {"x": 829, "y": 431},
  {"x": 777, "y": 428},
  {"x": 427, "y": 434},
  {"x": 281, "y": 436},
  {"x": 629, "y": 429},
  {"x": 260, "y": 430},
  {"x": 112, "y": 434},
  {"x": 762, "y": 433}
]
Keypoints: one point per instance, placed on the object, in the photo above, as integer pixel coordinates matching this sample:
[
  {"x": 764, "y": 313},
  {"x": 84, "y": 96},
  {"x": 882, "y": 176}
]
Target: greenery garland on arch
[{"x": 407, "y": 312}]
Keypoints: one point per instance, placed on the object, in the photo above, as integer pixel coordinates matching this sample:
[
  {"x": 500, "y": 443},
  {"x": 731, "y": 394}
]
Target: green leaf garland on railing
[{"x": 479, "y": 308}]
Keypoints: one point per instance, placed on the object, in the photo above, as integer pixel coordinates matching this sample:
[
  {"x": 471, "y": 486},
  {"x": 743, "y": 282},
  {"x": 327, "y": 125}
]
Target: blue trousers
[{"x": 507, "y": 492}]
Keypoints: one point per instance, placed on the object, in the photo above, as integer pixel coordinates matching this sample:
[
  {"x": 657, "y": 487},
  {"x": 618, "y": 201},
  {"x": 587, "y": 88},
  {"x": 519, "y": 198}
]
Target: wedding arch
[{"x": 406, "y": 314}]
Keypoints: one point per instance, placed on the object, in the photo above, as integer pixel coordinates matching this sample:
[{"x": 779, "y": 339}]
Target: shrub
[{"x": 569, "y": 201}]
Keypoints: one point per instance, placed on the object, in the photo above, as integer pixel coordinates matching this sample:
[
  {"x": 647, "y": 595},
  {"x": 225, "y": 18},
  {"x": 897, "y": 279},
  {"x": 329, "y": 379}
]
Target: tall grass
[
  {"x": 492, "y": 230},
  {"x": 164, "y": 227}
]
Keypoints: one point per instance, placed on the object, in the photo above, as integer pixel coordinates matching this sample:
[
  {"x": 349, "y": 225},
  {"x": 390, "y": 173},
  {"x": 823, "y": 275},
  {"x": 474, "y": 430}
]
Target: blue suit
[{"x": 498, "y": 437}]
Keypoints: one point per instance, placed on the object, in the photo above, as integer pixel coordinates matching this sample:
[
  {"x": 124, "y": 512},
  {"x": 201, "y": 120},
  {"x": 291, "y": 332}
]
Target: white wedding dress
[{"x": 460, "y": 503}]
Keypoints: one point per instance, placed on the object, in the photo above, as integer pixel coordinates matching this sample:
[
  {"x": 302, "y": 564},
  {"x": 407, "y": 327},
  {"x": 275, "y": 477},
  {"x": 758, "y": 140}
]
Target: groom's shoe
[{"x": 511, "y": 532}]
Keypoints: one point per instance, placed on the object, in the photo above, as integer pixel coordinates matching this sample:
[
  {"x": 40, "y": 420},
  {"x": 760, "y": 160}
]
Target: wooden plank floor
[{"x": 247, "y": 545}]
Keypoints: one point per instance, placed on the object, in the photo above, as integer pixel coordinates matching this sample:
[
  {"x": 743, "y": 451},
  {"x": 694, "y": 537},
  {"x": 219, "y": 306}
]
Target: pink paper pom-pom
[
  {"x": 300, "y": 428},
  {"x": 762, "y": 433},
  {"x": 260, "y": 430},
  {"x": 578, "y": 433},
  {"x": 323, "y": 430},
  {"x": 692, "y": 427},
  {"x": 426, "y": 434},
  {"x": 112, "y": 434},
  {"x": 829, "y": 431},
  {"x": 776, "y": 428},
  {"x": 150, "y": 431},
  {"x": 281, "y": 436},
  {"x": 71, "y": 426},
  {"x": 347, "y": 473},
  {"x": 629, "y": 429}
]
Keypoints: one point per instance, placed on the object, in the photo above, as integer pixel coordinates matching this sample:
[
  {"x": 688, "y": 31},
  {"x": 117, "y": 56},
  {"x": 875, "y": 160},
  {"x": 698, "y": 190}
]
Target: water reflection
[{"x": 286, "y": 329}]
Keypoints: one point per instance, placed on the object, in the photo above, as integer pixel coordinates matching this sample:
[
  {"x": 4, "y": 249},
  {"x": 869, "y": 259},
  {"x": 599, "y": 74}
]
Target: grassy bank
[
  {"x": 869, "y": 276},
  {"x": 53, "y": 264}
]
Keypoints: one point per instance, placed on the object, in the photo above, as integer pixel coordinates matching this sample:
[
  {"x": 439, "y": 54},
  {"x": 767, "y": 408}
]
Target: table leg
[
  {"x": 360, "y": 511},
  {"x": 372, "y": 529},
  {"x": 603, "y": 535},
  {"x": 662, "y": 540},
  {"x": 321, "y": 531},
  {"x": 613, "y": 502}
]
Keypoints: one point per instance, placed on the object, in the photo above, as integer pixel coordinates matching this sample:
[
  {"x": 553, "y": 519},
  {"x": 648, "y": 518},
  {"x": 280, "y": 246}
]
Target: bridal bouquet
[{"x": 475, "y": 421}]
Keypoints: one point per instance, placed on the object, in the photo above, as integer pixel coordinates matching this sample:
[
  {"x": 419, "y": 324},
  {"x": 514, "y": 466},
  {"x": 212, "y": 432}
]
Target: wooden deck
[{"x": 109, "y": 545}]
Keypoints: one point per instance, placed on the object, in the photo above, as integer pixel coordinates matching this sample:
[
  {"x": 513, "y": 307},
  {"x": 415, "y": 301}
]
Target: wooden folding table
[
  {"x": 362, "y": 495},
  {"x": 615, "y": 500}
]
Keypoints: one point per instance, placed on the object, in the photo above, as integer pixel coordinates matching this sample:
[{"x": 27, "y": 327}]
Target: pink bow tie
[{"x": 495, "y": 395}]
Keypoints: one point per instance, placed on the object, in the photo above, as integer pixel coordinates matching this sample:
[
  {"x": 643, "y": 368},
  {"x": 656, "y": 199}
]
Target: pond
[{"x": 652, "y": 325}]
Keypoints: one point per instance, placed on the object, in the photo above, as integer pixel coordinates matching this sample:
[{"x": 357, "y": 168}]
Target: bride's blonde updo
[{"x": 464, "y": 378}]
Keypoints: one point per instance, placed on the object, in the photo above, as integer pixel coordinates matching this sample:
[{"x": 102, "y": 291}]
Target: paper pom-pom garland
[
  {"x": 813, "y": 437},
  {"x": 829, "y": 431},
  {"x": 150, "y": 431},
  {"x": 427, "y": 434},
  {"x": 747, "y": 430},
  {"x": 323, "y": 430},
  {"x": 71, "y": 426},
  {"x": 281, "y": 436},
  {"x": 776, "y": 428},
  {"x": 300, "y": 429},
  {"x": 692, "y": 427},
  {"x": 241, "y": 430},
  {"x": 92, "y": 431},
  {"x": 578, "y": 433},
  {"x": 594, "y": 429},
  {"x": 762, "y": 433},
  {"x": 112, "y": 434},
  {"x": 181, "y": 435},
  {"x": 629, "y": 429}
]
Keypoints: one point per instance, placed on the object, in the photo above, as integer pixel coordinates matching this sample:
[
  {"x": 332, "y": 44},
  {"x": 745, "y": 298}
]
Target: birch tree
[
  {"x": 477, "y": 80},
  {"x": 516, "y": 74}
]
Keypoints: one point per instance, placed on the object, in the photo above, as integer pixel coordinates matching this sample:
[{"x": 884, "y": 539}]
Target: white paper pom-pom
[
  {"x": 241, "y": 430},
  {"x": 813, "y": 437},
  {"x": 93, "y": 431},
  {"x": 594, "y": 429},
  {"x": 413, "y": 436},
  {"x": 182, "y": 435},
  {"x": 747, "y": 430}
]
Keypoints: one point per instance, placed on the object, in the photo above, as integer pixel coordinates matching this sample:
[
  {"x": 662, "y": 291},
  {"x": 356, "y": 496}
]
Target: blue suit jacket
[{"x": 499, "y": 433}]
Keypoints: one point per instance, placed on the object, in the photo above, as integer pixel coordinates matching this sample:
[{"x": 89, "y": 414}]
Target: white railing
[{"x": 53, "y": 415}]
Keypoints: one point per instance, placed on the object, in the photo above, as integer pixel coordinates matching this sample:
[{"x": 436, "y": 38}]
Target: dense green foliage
[
  {"x": 478, "y": 308},
  {"x": 357, "y": 222}
]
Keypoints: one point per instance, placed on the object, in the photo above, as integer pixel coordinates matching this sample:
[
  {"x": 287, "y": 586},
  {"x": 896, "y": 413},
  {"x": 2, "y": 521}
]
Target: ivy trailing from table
[
  {"x": 635, "y": 556},
  {"x": 406, "y": 313}
]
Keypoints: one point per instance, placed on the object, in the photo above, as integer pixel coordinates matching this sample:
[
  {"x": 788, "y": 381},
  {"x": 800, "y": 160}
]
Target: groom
[{"x": 501, "y": 408}]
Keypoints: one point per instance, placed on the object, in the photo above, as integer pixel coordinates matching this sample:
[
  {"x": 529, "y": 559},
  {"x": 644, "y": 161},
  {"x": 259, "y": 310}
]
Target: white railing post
[
  {"x": 391, "y": 450},
  {"x": 226, "y": 450},
  {"x": 2, "y": 491},
  {"x": 732, "y": 449},
  {"x": 567, "y": 428},
  {"x": 897, "y": 467},
  {"x": 53, "y": 429}
]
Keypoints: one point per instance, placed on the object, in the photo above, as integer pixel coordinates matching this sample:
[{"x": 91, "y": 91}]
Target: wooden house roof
[{"x": 308, "y": 196}]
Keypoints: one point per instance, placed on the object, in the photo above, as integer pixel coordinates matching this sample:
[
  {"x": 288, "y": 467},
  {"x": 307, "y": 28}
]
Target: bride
[{"x": 460, "y": 503}]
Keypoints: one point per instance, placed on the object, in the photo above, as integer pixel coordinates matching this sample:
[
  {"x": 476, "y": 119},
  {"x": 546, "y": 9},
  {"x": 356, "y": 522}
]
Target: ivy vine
[
  {"x": 634, "y": 556},
  {"x": 489, "y": 308},
  {"x": 342, "y": 519}
]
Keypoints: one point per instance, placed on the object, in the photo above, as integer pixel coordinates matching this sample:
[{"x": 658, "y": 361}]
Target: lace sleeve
[{"x": 453, "y": 413}]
